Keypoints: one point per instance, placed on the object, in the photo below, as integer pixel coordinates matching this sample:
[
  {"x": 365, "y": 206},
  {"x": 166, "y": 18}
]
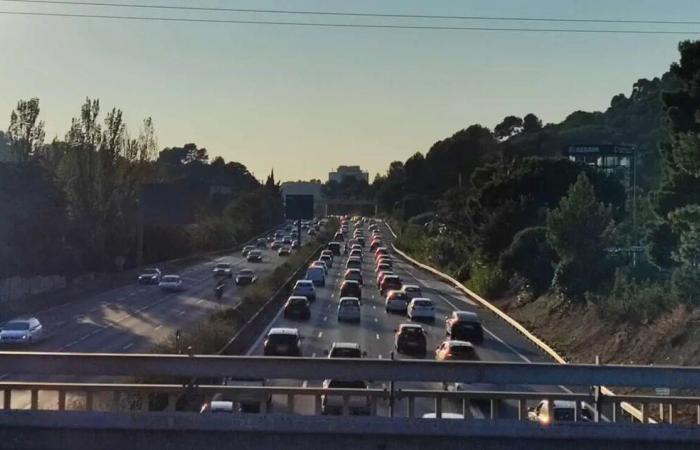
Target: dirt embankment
[{"x": 579, "y": 333}]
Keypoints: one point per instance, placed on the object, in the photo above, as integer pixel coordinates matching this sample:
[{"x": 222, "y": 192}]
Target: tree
[
  {"x": 531, "y": 256},
  {"x": 26, "y": 132},
  {"x": 576, "y": 230},
  {"x": 511, "y": 125},
  {"x": 531, "y": 123}
]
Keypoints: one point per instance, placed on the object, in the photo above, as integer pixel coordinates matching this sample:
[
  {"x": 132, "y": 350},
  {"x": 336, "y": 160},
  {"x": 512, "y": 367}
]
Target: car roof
[
  {"x": 304, "y": 282},
  {"x": 171, "y": 275},
  {"x": 352, "y": 282},
  {"x": 280, "y": 330},
  {"x": 457, "y": 343},
  {"x": 348, "y": 299},
  {"x": 391, "y": 276},
  {"x": 22, "y": 319},
  {"x": 466, "y": 315},
  {"x": 351, "y": 345},
  {"x": 245, "y": 269},
  {"x": 421, "y": 300},
  {"x": 410, "y": 325},
  {"x": 411, "y": 286}
]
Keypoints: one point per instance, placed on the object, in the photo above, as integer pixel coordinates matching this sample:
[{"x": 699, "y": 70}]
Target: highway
[{"x": 375, "y": 332}]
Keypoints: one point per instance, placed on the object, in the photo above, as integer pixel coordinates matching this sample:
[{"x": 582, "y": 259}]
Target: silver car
[
  {"x": 349, "y": 309},
  {"x": 24, "y": 331}
]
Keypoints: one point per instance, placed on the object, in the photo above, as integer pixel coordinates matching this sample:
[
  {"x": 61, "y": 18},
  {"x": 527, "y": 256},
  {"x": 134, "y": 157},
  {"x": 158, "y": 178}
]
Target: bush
[
  {"x": 634, "y": 301},
  {"x": 531, "y": 257},
  {"x": 487, "y": 279}
]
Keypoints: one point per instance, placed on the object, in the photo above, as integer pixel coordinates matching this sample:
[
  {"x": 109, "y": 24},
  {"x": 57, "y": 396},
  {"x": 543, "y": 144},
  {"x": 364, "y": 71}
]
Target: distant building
[
  {"x": 306, "y": 188},
  {"x": 345, "y": 172}
]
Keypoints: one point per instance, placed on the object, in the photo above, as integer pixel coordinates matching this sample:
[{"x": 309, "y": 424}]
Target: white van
[{"x": 317, "y": 275}]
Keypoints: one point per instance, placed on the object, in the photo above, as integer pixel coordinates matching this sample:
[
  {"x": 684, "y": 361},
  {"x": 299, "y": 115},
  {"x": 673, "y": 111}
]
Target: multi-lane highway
[{"x": 375, "y": 331}]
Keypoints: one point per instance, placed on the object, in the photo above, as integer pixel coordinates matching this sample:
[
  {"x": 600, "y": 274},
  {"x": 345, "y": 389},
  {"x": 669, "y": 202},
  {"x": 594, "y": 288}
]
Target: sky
[{"x": 303, "y": 100}]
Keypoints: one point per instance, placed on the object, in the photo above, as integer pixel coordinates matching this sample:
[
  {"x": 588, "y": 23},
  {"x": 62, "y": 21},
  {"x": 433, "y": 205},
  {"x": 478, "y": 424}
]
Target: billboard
[{"x": 299, "y": 207}]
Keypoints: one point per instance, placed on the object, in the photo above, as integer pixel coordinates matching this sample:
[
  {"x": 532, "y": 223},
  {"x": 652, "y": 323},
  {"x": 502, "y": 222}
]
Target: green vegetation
[
  {"x": 507, "y": 213},
  {"x": 72, "y": 205}
]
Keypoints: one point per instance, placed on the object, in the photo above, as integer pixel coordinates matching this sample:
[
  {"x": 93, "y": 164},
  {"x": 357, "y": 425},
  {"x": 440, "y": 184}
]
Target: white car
[
  {"x": 223, "y": 270},
  {"x": 305, "y": 288},
  {"x": 23, "y": 331},
  {"x": 171, "y": 283},
  {"x": 421, "y": 308},
  {"x": 357, "y": 405},
  {"x": 412, "y": 291},
  {"x": 349, "y": 309}
]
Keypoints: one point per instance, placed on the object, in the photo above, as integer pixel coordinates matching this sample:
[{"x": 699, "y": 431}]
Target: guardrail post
[
  {"x": 143, "y": 396},
  {"x": 671, "y": 413},
  {"x": 493, "y": 406},
  {"x": 661, "y": 411},
  {"x": 614, "y": 412},
  {"x": 7, "y": 400},
  {"x": 346, "y": 405},
  {"x": 643, "y": 410},
  {"x": 596, "y": 396},
  {"x": 34, "y": 399},
  {"x": 412, "y": 407},
  {"x": 61, "y": 400},
  {"x": 550, "y": 409},
  {"x": 577, "y": 411},
  {"x": 172, "y": 402},
  {"x": 372, "y": 405},
  {"x": 522, "y": 409},
  {"x": 88, "y": 401},
  {"x": 438, "y": 407},
  {"x": 317, "y": 405},
  {"x": 263, "y": 406},
  {"x": 465, "y": 407},
  {"x": 116, "y": 401},
  {"x": 290, "y": 403}
]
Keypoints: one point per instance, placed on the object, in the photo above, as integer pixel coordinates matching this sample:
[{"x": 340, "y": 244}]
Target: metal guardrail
[{"x": 634, "y": 412}]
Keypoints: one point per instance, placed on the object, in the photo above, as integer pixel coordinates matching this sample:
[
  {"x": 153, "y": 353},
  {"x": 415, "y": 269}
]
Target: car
[
  {"x": 345, "y": 350},
  {"x": 465, "y": 326},
  {"x": 223, "y": 270},
  {"x": 171, "y": 283},
  {"x": 245, "y": 276},
  {"x": 321, "y": 264},
  {"x": 295, "y": 244},
  {"x": 247, "y": 249},
  {"x": 270, "y": 238},
  {"x": 353, "y": 263},
  {"x": 254, "y": 256},
  {"x": 353, "y": 274},
  {"x": 388, "y": 283},
  {"x": 276, "y": 244},
  {"x": 316, "y": 274},
  {"x": 21, "y": 331},
  {"x": 327, "y": 260},
  {"x": 351, "y": 288},
  {"x": 287, "y": 240},
  {"x": 361, "y": 240},
  {"x": 305, "y": 288},
  {"x": 311, "y": 232},
  {"x": 396, "y": 301},
  {"x": 284, "y": 251},
  {"x": 297, "y": 307},
  {"x": 412, "y": 290},
  {"x": 562, "y": 411},
  {"x": 349, "y": 309},
  {"x": 421, "y": 308},
  {"x": 357, "y": 405},
  {"x": 327, "y": 253},
  {"x": 261, "y": 243},
  {"x": 410, "y": 339},
  {"x": 379, "y": 252},
  {"x": 449, "y": 350},
  {"x": 381, "y": 275},
  {"x": 248, "y": 401},
  {"x": 355, "y": 254},
  {"x": 150, "y": 276},
  {"x": 338, "y": 237},
  {"x": 218, "y": 407},
  {"x": 282, "y": 342},
  {"x": 383, "y": 266},
  {"x": 375, "y": 244},
  {"x": 335, "y": 248}
]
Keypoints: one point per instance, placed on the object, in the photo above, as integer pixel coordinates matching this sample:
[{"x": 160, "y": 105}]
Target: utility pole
[{"x": 139, "y": 233}]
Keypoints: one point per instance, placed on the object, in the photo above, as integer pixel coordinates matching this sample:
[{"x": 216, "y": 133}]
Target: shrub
[
  {"x": 634, "y": 301},
  {"x": 487, "y": 279},
  {"x": 531, "y": 257}
]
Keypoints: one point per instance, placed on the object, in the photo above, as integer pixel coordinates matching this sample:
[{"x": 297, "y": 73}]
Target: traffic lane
[{"x": 105, "y": 326}]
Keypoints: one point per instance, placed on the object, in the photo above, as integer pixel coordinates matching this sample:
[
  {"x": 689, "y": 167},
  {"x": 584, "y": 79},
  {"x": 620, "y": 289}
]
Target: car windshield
[
  {"x": 463, "y": 351},
  {"x": 340, "y": 352},
  {"x": 223, "y": 266},
  {"x": 15, "y": 326},
  {"x": 423, "y": 303},
  {"x": 412, "y": 331},
  {"x": 282, "y": 339},
  {"x": 245, "y": 272}
]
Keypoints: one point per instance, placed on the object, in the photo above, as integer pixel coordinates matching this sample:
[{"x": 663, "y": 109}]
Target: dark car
[
  {"x": 410, "y": 339},
  {"x": 390, "y": 283},
  {"x": 245, "y": 276},
  {"x": 282, "y": 342},
  {"x": 261, "y": 243},
  {"x": 150, "y": 276},
  {"x": 464, "y": 326},
  {"x": 254, "y": 256},
  {"x": 297, "y": 307},
  {"x": 334, "y": 247},
  {"x": 351, "y": 288}
]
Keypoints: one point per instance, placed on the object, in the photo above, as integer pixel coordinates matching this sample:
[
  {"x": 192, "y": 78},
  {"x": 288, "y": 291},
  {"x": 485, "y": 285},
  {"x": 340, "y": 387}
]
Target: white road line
[
  {"x": 200, "y": 301},
  {"x": 374, "y": 306},
  {"x": 376, "y": 319},
  {"x": 325, "y": 318},
  {"x": 158, "y": 327},
  {"x": 128, "y": 346},
  {"x": 320, "y": 334},
  {"x": 377, "y": 336}
]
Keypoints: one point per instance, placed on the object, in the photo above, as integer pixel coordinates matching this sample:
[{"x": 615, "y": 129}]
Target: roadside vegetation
[
  {"x": 507, "y": 213},
  {"x": 72, "y": 205}
]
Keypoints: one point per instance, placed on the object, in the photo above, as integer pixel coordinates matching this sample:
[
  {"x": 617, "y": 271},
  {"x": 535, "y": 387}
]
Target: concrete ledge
[{"x": 83, "y": 430}]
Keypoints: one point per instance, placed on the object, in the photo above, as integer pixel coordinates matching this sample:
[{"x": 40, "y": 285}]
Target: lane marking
[
  {"x": 128, "y": 346},
  {"x": 377, "y": 336},
  {"x": 200, "y": 301},
  {"x": 320, "y": 334},
  {"x": 376, "y": 319},
  {"x": 374, "y": 306},
  {"x": 325, "y": 318}
]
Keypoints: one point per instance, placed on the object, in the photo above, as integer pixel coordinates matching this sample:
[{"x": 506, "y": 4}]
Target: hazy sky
[{"x": 304, "y": 100}]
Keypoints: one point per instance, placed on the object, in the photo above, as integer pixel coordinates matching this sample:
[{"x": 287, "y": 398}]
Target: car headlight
[{"x": 24, "y": 337}]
